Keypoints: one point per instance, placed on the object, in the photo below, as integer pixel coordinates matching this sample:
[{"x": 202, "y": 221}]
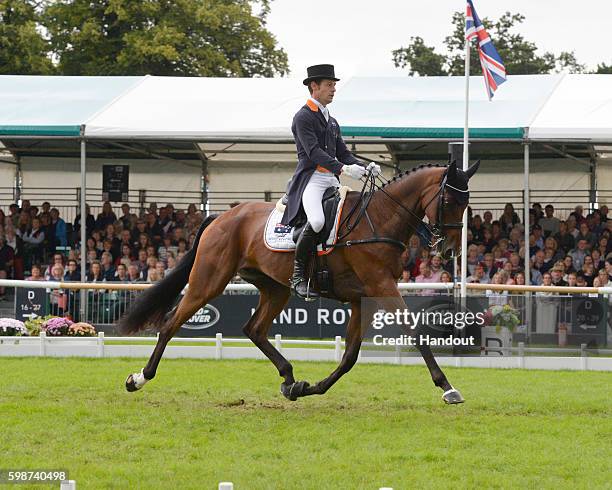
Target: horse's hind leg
[
  {"x": 205, "y": 284},
  {"x": 273, "y": 298}
]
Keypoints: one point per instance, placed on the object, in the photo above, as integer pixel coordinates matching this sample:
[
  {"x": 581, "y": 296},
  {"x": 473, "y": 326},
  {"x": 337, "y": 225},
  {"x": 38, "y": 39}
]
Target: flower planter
[{"x": 496, "y": 340}]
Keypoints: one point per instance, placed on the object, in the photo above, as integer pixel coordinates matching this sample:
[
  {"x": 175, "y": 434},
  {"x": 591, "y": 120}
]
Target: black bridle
[{"x": 436, "y": 230}]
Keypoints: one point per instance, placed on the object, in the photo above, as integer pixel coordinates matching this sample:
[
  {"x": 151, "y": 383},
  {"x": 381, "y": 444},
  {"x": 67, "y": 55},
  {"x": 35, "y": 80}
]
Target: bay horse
[{"x": 232, "y": 243}]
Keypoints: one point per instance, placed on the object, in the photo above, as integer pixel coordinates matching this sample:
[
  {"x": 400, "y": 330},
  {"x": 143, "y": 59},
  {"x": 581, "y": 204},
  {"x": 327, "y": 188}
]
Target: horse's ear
[
  {"x": 472, "y": 170},
  {"x": 452, "y": 171}
]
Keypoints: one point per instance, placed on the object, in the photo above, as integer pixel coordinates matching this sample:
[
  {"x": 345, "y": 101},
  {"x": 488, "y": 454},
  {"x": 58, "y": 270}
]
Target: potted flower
[
  {"x": 496, "y": 334},
  {"x": 56, "y": 326},
  {"x": 34, "y": 325},
  {"x": 81, "y": 329},
  {"x": 10, "y": 327}
]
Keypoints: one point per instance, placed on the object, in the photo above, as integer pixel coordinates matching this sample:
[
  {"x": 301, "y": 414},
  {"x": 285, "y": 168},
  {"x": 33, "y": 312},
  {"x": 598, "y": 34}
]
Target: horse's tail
[{"x": 152, "y": 305}]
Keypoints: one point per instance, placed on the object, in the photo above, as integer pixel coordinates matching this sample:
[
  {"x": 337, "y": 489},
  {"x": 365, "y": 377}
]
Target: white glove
[
  {"x": 355, "y": 171},
  {"x": 373, "y": 168}
]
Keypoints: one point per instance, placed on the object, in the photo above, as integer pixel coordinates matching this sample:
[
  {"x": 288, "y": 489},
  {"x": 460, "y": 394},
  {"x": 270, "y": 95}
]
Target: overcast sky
[{"x": 358, "y": 35}]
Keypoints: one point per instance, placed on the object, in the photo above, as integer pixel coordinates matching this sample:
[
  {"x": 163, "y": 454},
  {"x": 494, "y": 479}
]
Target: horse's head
[{"x": 444, "y": 205}]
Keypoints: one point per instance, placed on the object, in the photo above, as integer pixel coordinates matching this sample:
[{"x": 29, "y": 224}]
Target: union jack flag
[{"x": 493, "y": 67}]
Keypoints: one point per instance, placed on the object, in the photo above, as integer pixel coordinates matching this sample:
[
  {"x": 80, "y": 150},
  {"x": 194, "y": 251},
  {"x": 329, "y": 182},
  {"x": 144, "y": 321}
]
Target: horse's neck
[{"x": 394, "y": 219}]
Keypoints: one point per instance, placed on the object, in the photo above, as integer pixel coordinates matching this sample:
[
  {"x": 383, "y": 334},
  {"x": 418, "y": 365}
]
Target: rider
[{"x": 322, "y": 157}]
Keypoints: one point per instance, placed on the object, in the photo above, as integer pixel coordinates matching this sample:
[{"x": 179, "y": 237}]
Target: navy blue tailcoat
[{"x": 319, "y": 146}]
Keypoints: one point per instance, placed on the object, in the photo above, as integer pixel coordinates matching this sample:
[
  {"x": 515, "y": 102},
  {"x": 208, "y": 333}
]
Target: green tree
[
  {"x": 23, "y": 49},
  {"x": 602, "y": 68},
  {"x": 163, "y": 37},
  {"x": 520, "y": 56}
]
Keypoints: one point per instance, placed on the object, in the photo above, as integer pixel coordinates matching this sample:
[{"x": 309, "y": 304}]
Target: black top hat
[{"x": 319, "y": 72}]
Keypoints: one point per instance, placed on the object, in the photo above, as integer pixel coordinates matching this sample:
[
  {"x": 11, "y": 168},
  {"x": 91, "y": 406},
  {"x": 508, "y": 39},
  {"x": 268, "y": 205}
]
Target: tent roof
[
  {"x": 55, "y": 106},
  {"x": 411, "y": 117}
]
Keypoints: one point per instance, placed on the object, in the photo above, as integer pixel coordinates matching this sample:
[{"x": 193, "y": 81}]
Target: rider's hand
[
  {"x": 373, "y": 168},
  {"x": 355, "y": 171}
]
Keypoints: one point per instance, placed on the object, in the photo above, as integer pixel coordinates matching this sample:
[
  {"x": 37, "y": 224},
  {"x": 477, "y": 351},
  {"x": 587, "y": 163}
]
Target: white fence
[{"x": 219, "y": 348}]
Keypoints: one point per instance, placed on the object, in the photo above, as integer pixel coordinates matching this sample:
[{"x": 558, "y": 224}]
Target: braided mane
[{"x": 400, "y": 176}]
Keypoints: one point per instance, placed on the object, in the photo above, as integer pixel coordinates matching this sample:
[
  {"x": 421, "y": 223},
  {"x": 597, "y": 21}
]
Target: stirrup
[{"x": 310, "y": 295}]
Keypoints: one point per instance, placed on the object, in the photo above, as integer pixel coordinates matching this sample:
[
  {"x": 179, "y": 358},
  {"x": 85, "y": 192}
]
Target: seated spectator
[
  {"x": 588, "y": 272},
  {"x": 133, "y": 273},
  {"x": 578, "y": 254},
  {"x": 571, "y": 279},
  {"x": 90, "y": 224},
  {"x": 572, "y": 227},
  {"x": 182, "y": 247},
  {"x": 160, "y": 267},
  {"x": 58, "y": 299},
  {"x": 154, "y": 230},
  {"x": 95, "y": 272},
  {"x": 111, "y": 243},
  {"x": 127, "y": 218},
  {"x": 608, "y": 268},
  {"x": 72, "y": 271},
  {"x": 509, "y": 218},
  {"x": 406, "y": 277},
  {"x": 58, "y": 230},
  {"x": 498, "y": 297},
  {"x": 488, "y": 241},
  {"x": 515, "y": 263},
  {"x": 578, "y": 216},
  {"x": 36, "y": 274},
  {"x": 143, "y": 242},
  {"x": 556, "y": 275},
  {"x": 33, "y": 242},
  {"x": 445, "y": 277},
  {"x": 472, "y": 259},
  {"x": 489, "y": 266},
  {"x": 106, "y": 264},
  {"x": 479, "y": 276},
  {"x": 435, "y": 267},
  {"x": 139, "y": 229},
  {"x": 585, "y": 234},
  {"x": 126, "y": 256},
  {"x": 171, "y": 262},
  {"x": 550, "y": 225},
  {"x": 519, "y": 279},
  {"x": 598, "y": 261},
  {"x": 603, "y": 246},
  {"x": 165, "y": 248},
  {"x": 150, "y": 264},
  {"x": 424, "y": 277},
  {"x": 549, "y": 260},
  {"x": 536, "y": 230},
  {"x": 477, "y": 229},
  {"x": 580, "y": 282},
  {"x": 142, "y": 260},
  {"x": 121, "y": 275},
  {"x": 106, "y": 217},
  {"x": 603, "y": 281},
  {"x": 6, "y": 263},
  {"x": 58, "y": 259},
  {"x": 564, "y": 239}
]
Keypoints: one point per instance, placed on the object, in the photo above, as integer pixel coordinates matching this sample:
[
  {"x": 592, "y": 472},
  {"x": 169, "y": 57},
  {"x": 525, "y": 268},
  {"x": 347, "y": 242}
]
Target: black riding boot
[{"x": 303, "y": 248}]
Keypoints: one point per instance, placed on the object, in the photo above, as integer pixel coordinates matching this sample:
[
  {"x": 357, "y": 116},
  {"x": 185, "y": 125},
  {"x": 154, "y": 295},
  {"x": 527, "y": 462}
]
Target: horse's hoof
[
  {"x": 294, "y": 391},
  {"x": 131, "y": 385},
  {"x": 452, "y": 397}
]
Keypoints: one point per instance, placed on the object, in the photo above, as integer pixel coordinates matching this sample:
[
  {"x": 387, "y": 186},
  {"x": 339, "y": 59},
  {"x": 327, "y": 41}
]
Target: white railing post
[
  {"x": 226, "y": 485},
  {"x": 338, "y": 348},
  {"x": 68, "y": 485},
  {"x": 398, "y": 354},
  {"x": 278, "y": 343},
  {"x": 521, "y": 354},
  {"x": 100, "y": 344},
  {"x": 219, "y": 346},
  {"x": 583, "y": 357},
  {"x": 43, "y": 342}
]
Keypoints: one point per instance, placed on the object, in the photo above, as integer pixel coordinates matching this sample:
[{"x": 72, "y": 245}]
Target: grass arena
[{"x": 207, "y": 421}]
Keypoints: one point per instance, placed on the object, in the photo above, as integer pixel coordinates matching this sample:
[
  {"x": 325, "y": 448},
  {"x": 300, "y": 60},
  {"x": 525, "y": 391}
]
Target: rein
[{"x": 370, "y": 187}]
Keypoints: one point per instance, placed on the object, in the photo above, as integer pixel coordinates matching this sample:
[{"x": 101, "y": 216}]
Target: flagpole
[{"x": 466, "y": 160}]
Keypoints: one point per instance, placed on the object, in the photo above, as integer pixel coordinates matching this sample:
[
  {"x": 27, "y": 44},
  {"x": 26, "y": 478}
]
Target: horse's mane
[{"x": 405, "y": 173}]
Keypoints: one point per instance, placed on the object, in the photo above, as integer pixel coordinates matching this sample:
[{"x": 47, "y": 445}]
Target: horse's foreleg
[
  {"x": 354, "y": 337},
  {"x": 394, "y": 301}
]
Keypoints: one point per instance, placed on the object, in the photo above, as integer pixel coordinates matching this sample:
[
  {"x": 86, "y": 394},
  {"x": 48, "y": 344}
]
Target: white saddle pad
[{"x": 279, "y": 237}]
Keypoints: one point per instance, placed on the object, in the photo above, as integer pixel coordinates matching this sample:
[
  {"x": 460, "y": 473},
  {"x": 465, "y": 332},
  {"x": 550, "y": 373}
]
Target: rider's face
[{"x": 324, "y": 91}]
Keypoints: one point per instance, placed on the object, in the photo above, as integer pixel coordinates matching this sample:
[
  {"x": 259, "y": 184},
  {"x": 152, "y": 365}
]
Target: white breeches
[{"x": 313, "y": 196}]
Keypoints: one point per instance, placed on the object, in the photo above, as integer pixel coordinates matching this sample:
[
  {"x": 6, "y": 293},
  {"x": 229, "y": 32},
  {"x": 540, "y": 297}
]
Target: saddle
[{"x": 331, "y": 200}]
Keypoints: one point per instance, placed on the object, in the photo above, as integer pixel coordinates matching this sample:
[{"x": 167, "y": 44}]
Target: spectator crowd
[
  {"x": 37, "y": 244},
  {"x": 576, "y": 251}
]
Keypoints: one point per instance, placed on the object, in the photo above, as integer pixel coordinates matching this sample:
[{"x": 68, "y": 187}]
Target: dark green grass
[{"x": 201, "y": 422}]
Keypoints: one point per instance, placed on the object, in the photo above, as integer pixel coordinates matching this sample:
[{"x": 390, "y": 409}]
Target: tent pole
[
  {"x": 526, "y": 245},
  {"x": 593, "y": 186},
  {"x": 466, "y": 164},
  {"x": 83, "y": 308}
]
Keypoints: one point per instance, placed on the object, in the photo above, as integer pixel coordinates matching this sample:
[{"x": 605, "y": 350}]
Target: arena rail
[
  {"x": 448, "y": 286},
  {"x": 297, "y": 349},
  {"x": 220, "y": 348}
]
